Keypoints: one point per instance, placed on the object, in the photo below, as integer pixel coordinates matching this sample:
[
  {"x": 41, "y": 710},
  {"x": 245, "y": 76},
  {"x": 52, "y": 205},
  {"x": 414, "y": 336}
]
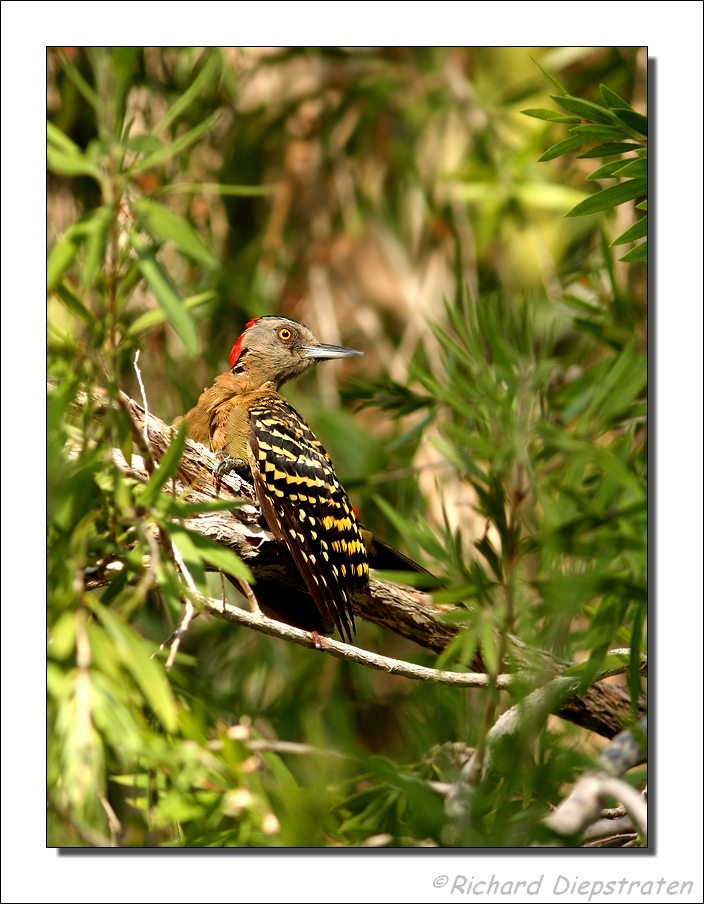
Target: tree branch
[
  {"x": 405, "y": 611},
  {"x": 578, "y": 811}
]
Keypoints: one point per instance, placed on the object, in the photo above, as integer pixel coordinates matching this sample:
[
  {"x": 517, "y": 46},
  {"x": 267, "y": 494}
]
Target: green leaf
[
  {"x": 158, "y": 315},
  {"x": 180, "y": 144},
  {"x": 71, "y": 164},
  {"x": 562, "y": 147},
  {"x": 637, "y": 167},
  {"x": 490, "y": 654},
  {"x": 163, "y": 224},
  {"x": 635, "y": 121},
  {"x": 75, "y": 305},
  {"x": 598, "y": 131},
  {"x": 636, "y": 231},
  {"x": 549, "y": 77},
  {"x": 167, "y": 468},
  {"x": 190, "y": 555},
  {"x": 62, "y": 142},
  {"x": 607, "y": 170},
  {"x": 635, "y": 660},
  {"x": 610, "y": 197},
  {"x": 61, "y": 257},
  {"x": 96, "y": 242},
  {"x": 549, "y": 115},
  {"x": 208, "y": 73},
  {"x": 134, "y": 655},
  {"x": 637, "y": 255},
  {"x": 585, "y": 109},
  {"x": 614, "y": 663},
  {"x": 609, "y": 149},
  {"x": 85, "y": 89},
  {"x": 642, "y": 205},
  {"x": 213, "y": 188},
  {"x": 143, "y": 143},
  {"x": 612, "y": 99},
  {"x": 166, "y": 295},
  {"x": 486, "y": 548},
  {"x": 216, "y": 555}
]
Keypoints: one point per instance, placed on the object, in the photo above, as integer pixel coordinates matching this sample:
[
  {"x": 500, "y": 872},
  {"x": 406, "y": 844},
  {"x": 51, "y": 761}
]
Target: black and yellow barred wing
[{"x": 306, "y": 507}]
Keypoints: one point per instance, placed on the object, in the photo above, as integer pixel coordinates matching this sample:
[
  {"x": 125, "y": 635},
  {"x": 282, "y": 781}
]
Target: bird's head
[{"x": 275, "y": 349}]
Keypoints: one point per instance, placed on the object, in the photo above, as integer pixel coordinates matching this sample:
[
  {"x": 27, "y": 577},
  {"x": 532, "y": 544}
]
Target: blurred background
[
  {"x": 384, "y": 182},
  {"x": 388, "y": 198}
]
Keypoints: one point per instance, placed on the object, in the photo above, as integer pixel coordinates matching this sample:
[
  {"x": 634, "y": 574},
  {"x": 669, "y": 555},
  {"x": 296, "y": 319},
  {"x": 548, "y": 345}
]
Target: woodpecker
[{"x": 243, "y": 417}]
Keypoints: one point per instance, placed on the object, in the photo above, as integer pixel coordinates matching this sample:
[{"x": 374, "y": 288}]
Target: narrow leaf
[
  {"x": 62, "y": 142},
  {"x": 167, "y": 468},
  {"x": 637, "y": 255},
  {"x": 147, "y": 673},
  {"x": 96, "y": 242},
  {"x": 71, "y": 164},
  {"x": 635, "y": 660},
  {"x": 636, "y": 231},
  {"x": 550, "y": 78},
  {"x": 610, "y": 149},
  {"x": 633, "y": 120},
  {"x": 75, "y": 305},
  {"x": 610, "y": 197},
  {"x": 163, "y": 224},
  {"x": 74, "y": 74},
  {"x": 598, "y": 131},
  {"x": 180, "y": 144},
  {"x": 190, "y": 554},
  {"x": 218, "y": 556},
  {"x": 585, "y": 109},
  {"x": 209, "y": 70},
  {"x": 606, "y": 171},
  {"x": 61, "y": 257},
  {"x": 213, "y": 188},
  {"x": 166, "y": 295},
  {"x": 549, "y": 115},
  {"x": 612, "y": 99},
  {"x": 632, "y": 168},
  {"x": 158, "y": 315},
  {"x": 562, "y": 147}
]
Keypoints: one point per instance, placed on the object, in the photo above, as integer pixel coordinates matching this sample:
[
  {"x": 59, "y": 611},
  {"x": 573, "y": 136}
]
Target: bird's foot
[{"x": 226, "y": 464}]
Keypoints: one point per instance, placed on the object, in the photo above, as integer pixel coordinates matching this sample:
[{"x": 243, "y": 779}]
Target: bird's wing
[{"x": 305, "y": 506}]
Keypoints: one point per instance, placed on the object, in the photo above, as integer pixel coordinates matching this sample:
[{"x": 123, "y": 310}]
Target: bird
[{"x": 251, "y": 427}]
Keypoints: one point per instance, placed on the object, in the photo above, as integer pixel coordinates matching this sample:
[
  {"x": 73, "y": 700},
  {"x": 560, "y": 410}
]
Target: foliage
[
  {"x": 187, "y": 194},
  {"x": 617, "y": 129}
]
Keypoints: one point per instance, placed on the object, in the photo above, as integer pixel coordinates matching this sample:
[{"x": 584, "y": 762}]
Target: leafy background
[{"x": 394, "y": 200}]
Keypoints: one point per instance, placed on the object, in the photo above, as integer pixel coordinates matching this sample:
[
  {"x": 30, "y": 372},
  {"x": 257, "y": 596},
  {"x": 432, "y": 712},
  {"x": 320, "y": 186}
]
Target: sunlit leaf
[
  {"x": 610, "y": 197},
  {"x": 636, "y": 231},
  {"x": 166, "y": 295},
  {"x": 163, "y": 224}
]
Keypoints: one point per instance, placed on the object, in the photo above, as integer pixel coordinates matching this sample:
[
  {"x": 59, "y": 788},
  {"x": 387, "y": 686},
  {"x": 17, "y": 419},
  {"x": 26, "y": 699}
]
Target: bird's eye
[{"x": 285, "y": 333}]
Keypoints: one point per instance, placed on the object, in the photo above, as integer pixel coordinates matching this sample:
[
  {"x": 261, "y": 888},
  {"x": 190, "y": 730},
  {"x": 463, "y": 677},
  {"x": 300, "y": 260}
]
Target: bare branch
[
  {"x": 348, "y": 652},
  {"x": 400, "y": 609},
  {"x": 582, "y": 807}
]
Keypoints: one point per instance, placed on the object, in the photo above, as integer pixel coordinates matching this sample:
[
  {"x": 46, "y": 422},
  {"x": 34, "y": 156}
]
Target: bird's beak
[{"x": 327, "y": 352}]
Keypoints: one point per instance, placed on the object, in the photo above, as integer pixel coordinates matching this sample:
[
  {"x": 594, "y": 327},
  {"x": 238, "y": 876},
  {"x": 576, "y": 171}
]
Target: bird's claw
[{"x": 226, "y": 464}]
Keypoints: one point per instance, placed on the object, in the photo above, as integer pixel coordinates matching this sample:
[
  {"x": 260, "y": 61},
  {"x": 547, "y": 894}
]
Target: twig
[
  {"x": 579, "y": 810},
  {"x": 402, "y": 610},
  {"x": 189, "y": 610},
  {"x": 144, "y": 399},
  {"x": 116, "y": 830},
  {"x": 249, "y": 593},
  {"x": 346, "y": 651}
]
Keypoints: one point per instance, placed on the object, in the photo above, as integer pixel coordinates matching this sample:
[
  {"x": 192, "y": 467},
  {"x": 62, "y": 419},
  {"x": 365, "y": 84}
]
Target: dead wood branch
[{"x": 603, "y": 708}]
